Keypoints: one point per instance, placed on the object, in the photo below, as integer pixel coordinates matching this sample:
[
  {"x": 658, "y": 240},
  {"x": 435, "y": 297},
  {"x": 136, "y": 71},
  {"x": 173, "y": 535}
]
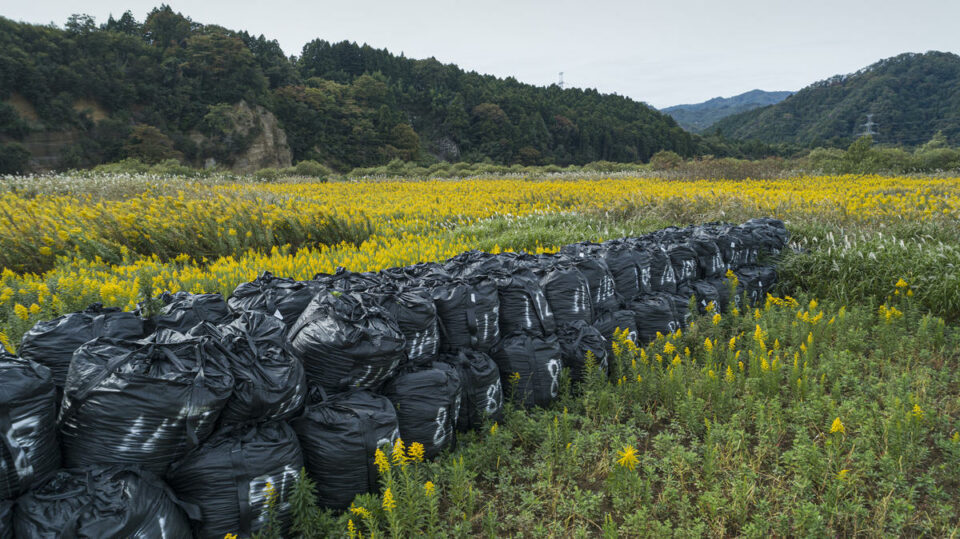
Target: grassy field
[{"x": 833, "y": 409}]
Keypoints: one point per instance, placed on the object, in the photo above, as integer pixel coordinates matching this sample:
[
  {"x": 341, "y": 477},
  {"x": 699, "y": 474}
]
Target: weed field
[{"x": 832, "y": 409}]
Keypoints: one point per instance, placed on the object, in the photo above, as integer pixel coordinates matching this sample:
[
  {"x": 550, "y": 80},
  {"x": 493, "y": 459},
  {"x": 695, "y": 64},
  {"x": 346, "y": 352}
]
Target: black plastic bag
[
  {"x": 686, "y": 265},
  {"x": 603, "y": 290},
  {"x": 416, "y": 316},
  {"x": 755, "y": 282},
  {"x": 106, "y": 503},
  {"x": 142, "y": 403},
  {"x": 709, "y": 258},
  {"x": 537, "y": 361},
  {"x": 6, "y": 519},
  {"x": 427, "y": 400},
  {"x": 482, "y": 393},
  {"x": 624, "y": 320},
  {"x": 227, "y": 478},
  {"x": 722, "y": 285},
  {"x": 662, "y": 275},
  {"x": 345, "y": 340},
  {"x": 469, "y": 313},
  {"x": 338, "y": 436},
  {"x": 277, "y": 296},
  {"x": 768, "y": 235},
  {"x": 568, "y": 294},
  {"x": 576, "y": 339},
  {"x": 182, "y": 311},
  {"x": 625, "y": 265},
  {"x": 269, "y": 380},
  {"x": 523, "y": 305},
  {"x": 29, "y": 452},
  {"x": 52, "y": 342},
  {"x": 705, "y": 293},
  {"x": 654, "y": 313}
]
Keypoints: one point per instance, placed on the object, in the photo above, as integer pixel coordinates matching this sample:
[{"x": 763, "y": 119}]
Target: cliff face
[
  {"x": 264, "y": 142},
  {"x": 251, "y": 138},
  {"x": 269, "y": 145}
]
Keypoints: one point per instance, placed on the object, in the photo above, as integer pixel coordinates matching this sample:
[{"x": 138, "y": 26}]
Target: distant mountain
[
  {"x": 909, "y": 98},
  {"x": 700, "y": 116}
]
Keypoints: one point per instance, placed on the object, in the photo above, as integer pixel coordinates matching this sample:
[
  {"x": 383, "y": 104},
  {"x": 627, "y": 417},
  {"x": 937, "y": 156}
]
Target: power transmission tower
[
  {"x": 560, "y": 84},
  {"x": 868, "y": 128}
]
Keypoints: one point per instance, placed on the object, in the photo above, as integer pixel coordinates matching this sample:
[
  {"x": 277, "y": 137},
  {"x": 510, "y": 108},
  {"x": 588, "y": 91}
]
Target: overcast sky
[{"x": 664, "y": 53}]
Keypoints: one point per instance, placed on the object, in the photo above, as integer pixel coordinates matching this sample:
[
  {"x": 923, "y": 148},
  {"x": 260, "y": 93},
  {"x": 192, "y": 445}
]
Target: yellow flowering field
[{"x": 210, "y": 237}]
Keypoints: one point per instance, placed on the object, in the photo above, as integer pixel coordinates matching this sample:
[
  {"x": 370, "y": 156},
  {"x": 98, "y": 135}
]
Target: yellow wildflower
[
  {"x": 837, "y": 426},
  {"x": 493, "y": 428},
  {"x": 708, "y": 345},
  {"x": 842, "y": 474},
  {"x": 380, "y": 459},
  {"x": 389, "y": 504},
  {"x": 628, "y": 457},
  {"x": 717, "y": 318},
  {"x": 729, "y": 376},
  {"x": 917, "y": 412},
  {"x": 397, "y": 455},
  {"x": 416, "y": 451},
  {"x": 428, "y": 488},
  {"x": 21, "y": 312}
]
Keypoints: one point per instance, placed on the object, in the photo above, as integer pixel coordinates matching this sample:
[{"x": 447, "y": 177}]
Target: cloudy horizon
[{"x": 683, "y": 52}]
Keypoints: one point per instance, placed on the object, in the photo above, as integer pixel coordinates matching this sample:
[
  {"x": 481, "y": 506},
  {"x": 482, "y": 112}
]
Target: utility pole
[
  {"x": 560, "y": 84},
  {"x": 868, "y": 128}
]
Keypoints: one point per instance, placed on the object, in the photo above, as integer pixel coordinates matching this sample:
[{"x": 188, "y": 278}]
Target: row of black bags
[{"x": 198, "y": 408}]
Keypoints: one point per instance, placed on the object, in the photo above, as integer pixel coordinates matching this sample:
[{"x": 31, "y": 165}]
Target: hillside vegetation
[
  {"x": 700, "y": 116},
  {"x": 170, "y": 87},
  {"x": 910, "y": 97}
]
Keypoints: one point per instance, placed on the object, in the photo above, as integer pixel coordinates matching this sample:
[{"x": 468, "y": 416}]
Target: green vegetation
[
  {"x": 806, "y": 418},
  {"x": 168, "y": 88},
  {"x": 911, "y": 97},
  {"x": 700, "y": 116}
]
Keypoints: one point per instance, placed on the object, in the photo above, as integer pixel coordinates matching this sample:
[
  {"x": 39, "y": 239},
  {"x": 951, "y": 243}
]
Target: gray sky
[{"x": 664, "y": 53}]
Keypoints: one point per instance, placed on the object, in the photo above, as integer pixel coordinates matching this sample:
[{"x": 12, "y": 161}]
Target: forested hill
[
  {"x": 699, "y": 116},
  {"x": 171, "y": 87},
  {"x": 910, "y": 98}
]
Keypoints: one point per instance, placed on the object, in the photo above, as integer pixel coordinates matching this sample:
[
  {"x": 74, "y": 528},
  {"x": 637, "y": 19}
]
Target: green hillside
[
  {"x": 700, "y": 116},
  {"x": 170, "y": 87},
  {"x": 910, "y": 98}
]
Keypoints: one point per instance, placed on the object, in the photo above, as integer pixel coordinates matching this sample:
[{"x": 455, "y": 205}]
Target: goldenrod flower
[
  {"x": 842, "y": 474},
  {"x": 717, "y": 318},
  {"x": 708, "y": 345},
  {"x": 901, "y": 283},
  {"x": 397, "y": 455},
  {"x": 493, "y": 428},
  {"x": 837, "y": 426},
  {"x": 669, "y": 348},
  {"x": 21, "y": 312},
  {"x": 729, "y": 376},
  {"x": 416, "y": 451},
  {"x": 380, "y": 459},
  {"x": 389, "y": 504},
  {"x": 428, "y": 488},
  {"x": 917, "y": 412},
  {"x": 360, "y": 511},
  {"x": 351, "y": 529},
  {"x": 628, "y": 457}
]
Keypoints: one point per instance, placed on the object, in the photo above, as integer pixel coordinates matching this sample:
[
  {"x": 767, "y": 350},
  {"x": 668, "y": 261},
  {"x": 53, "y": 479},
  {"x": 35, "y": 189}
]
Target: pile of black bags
[{"x": 197, "y": 419}]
